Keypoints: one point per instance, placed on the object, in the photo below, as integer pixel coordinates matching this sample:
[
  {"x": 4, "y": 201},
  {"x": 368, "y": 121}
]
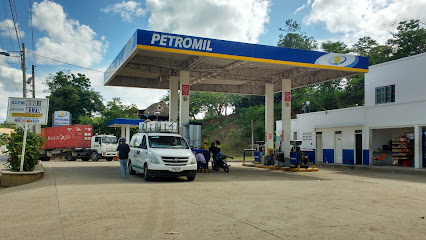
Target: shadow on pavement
[{"x": 415, "y": 178}]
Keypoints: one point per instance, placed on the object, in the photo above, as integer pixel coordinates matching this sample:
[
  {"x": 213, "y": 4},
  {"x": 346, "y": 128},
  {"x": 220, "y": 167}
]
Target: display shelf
[{"x": 402, "y": 151}]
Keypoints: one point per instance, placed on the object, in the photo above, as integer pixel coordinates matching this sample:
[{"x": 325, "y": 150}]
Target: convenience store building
[{"x": 391, "y": 126}]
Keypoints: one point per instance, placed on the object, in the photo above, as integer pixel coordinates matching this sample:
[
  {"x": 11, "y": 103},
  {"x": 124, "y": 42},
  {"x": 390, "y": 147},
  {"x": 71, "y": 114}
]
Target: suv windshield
[
  {"x": 109, "y": 140},
  {"x": 167, "y": 142}
]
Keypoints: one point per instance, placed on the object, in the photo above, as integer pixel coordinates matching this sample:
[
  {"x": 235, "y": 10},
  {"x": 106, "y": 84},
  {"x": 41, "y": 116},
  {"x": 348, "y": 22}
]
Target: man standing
[{"x": 123, "y": 156}]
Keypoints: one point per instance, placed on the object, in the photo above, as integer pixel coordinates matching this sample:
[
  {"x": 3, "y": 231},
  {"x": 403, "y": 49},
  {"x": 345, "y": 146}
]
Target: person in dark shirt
[
  {"x": 123, "y": 156},
  {"x": 213, "y": 151}
]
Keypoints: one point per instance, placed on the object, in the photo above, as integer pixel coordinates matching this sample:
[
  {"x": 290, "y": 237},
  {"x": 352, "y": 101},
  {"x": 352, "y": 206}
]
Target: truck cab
[
  {"x": 103, "y": 146},
  {"x": 161, "y": 154}
]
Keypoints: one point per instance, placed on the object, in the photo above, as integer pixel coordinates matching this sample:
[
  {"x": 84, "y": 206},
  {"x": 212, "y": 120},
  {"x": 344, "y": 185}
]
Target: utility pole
[
  {"x": 24, "y": 75},
  {"x": 33, "y": 81}
]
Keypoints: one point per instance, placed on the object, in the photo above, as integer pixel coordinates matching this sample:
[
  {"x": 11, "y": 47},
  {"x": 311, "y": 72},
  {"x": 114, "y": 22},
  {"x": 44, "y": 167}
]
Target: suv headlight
[
  {"x": 154, "y": 159},
  {"x": 193, "y": 159}
]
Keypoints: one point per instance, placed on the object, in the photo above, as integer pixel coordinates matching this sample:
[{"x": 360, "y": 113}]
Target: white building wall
[
  {"x": 409, "y": 110},
  {"x": 408, "y": 75}
]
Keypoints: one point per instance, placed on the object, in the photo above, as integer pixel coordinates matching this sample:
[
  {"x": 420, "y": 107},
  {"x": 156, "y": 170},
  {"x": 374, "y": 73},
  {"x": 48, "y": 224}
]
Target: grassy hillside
[{"x": 228, "y": 130}]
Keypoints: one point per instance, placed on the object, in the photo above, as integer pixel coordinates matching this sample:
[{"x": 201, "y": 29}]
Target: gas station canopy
[
  {"x": 149, "y": 59},
  {"x": 122, "y": 122}
]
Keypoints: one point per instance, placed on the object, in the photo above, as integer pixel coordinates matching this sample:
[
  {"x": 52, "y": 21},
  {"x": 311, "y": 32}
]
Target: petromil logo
[
  {"x": 62, "y": 114},
  {"x": 338, "y": 60}
]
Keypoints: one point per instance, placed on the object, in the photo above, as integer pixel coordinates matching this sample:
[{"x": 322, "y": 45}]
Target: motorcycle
[{"x": 222, "y": 163}]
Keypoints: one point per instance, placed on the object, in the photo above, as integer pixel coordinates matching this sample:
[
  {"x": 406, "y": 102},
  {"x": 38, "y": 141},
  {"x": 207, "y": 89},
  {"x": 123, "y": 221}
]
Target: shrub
[{"x": 32, "y": 150}]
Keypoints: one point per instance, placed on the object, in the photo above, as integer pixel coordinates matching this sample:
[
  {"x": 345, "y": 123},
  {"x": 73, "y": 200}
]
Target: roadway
[{"x": 89, "y": 200}]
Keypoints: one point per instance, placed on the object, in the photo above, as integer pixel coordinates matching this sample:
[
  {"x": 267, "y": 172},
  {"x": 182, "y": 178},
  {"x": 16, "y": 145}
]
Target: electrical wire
[
  {"x": 18, "y": 64},
  {"x": 2, "y": 46},
  {"x": 8, "y": 26},
  {"x": 95, "y": 70},
  {"x": 17, "y": 20},
  {"x": 32, "y": 32},
  {"x": 14, "y": 24}
]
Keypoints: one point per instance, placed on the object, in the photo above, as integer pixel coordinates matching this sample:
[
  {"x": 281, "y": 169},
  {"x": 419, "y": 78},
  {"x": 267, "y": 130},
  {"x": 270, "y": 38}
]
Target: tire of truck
[
  {"x": 146, "y": 173},
  {"x": 190, "y": 178},
  {"x": 109, "y": 158},
  {"x": 131, "y": 171},
  {"x": 45, "y": 158},
  {"x": 85, "y": 159},
  {"x": 94, "y": 156},
  {"x": 69, "y": 157}
]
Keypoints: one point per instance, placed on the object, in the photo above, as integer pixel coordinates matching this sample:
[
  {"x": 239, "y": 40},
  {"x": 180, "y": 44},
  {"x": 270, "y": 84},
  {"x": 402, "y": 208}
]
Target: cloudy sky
[{"x": 90, "y": 34}]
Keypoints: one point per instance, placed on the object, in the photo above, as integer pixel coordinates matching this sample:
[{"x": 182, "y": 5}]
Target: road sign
[{"x": 27, "y": 110}]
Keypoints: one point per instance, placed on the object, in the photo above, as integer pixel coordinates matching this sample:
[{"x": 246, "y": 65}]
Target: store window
[{"x": 385, "y": 94}]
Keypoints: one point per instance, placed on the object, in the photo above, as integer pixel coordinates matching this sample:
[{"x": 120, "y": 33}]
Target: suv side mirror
[{"x": 143, "y": 146}]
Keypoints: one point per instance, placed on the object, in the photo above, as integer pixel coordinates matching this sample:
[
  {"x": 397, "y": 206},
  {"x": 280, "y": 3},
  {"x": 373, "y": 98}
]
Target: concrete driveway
[{"x": 89, "y": 200}]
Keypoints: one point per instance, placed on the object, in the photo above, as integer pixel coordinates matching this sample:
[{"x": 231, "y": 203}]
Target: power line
[
  {"x": 14, "y": 24},
  {"x": 95, "y": 70},
  {"x": 8, "y": 26},
  {"x": 2, "y": 46},
  {"x": 32, "y": 31},
  {"x": 17, "y": 20}
]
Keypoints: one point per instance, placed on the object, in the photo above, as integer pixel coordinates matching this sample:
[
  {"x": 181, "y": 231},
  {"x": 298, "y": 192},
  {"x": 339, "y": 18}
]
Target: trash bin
[{"x": 257, "y": 157}]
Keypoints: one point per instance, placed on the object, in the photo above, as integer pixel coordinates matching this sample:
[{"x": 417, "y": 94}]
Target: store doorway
[
  {"x": 319, "y": 157},
  {"x": 338, "y": 146},
  {"x": 358, "y": 148}
]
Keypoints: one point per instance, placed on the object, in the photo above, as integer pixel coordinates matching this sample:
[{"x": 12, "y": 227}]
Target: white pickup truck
[{"x": 159, "y": 154}]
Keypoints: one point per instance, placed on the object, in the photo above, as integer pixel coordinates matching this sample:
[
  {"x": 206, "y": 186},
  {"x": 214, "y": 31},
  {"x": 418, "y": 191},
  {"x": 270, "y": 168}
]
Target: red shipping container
[
  {"x": 70, "y": 136},
  {"x": 43, "y": 135}
]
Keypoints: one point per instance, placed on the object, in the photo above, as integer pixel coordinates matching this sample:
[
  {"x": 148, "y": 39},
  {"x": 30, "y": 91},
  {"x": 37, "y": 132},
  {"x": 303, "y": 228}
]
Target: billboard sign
[
  {"x": 27, "y": 110},
  {"x": 61, "y": 118}
]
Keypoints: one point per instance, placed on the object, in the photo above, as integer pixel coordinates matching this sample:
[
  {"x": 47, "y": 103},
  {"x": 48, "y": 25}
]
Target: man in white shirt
[{"x": 201, "y": 161}]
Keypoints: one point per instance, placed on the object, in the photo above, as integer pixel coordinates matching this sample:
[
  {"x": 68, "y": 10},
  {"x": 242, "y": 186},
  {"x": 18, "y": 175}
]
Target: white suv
[{"x": 161, "y": 154}]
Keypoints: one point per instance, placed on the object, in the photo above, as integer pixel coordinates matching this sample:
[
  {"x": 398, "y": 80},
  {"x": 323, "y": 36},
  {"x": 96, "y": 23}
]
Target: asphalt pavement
[{"x": 89, "y": 200}]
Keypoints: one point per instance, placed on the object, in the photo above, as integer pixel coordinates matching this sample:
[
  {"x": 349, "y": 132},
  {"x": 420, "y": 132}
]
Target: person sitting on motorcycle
[
  {"x": 218, "y": 155},
  {"x": 213, "y": 151}
]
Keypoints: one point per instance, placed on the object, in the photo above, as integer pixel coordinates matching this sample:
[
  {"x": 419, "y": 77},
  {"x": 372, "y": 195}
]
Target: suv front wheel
[
  {"x": 191, "y": 178},
  {"x": 131, "y": 171},
  {"x": 146, "y": 173}
]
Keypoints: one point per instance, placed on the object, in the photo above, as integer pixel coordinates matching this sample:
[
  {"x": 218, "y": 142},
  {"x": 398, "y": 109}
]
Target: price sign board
[{"x": 27, "y": 110}]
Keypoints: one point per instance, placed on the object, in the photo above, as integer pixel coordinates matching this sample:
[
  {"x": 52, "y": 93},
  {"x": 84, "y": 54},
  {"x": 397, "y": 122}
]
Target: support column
[
  {"x": 184, "y": 103},
  {"x": 269, "y": 116},
  {"x": 367, "y": 141},
  {"x": 128, "y": 134},
  {"x": 123, "y": 132},
  {"x": 174, "y": 99},
  {"x": 286, "y": 117},
  {"x": 418, "y": 151}
]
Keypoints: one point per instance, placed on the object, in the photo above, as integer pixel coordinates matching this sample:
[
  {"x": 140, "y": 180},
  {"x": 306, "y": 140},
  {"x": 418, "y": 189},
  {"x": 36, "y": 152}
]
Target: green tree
[
  {"x": 113, "y": 109},
  {"x": 409, "y": 40},
  {"x": 295, "y": 38},
  {"x": 72, "y": 93},
  {"x": 368, "y": 47}
]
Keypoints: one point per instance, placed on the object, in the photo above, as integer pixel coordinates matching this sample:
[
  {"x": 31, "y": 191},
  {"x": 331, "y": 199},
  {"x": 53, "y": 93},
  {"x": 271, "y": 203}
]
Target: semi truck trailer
[{"x": 77, "y": 141}]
